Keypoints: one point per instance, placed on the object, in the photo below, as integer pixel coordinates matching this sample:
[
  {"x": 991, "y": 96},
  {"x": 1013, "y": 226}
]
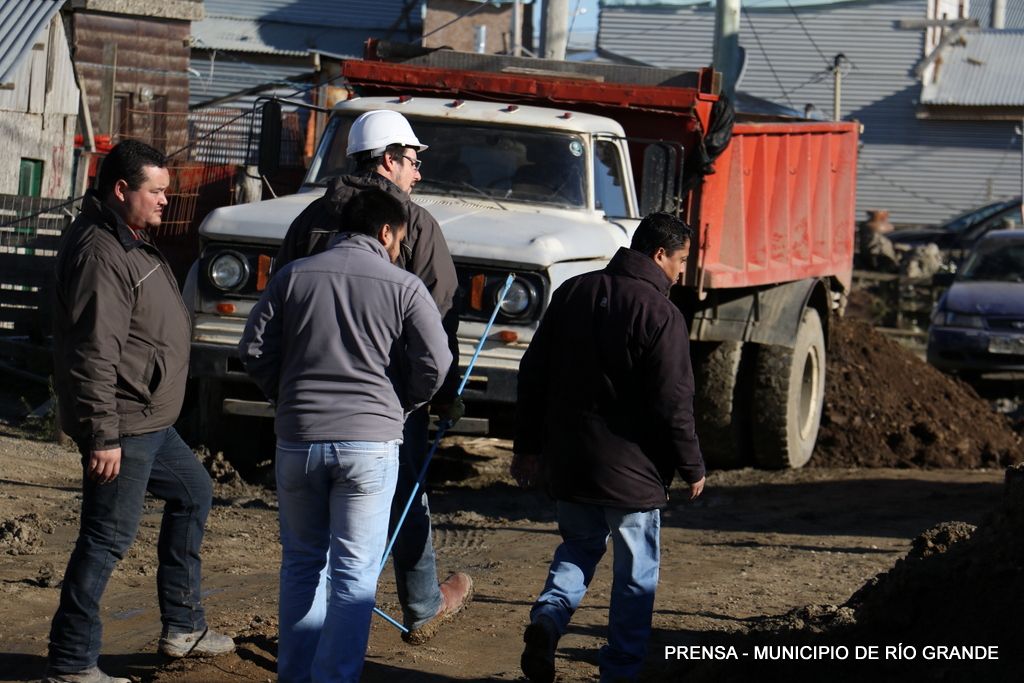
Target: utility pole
[
  {"x": 517, "y": 29},
  {"x": 555, "y": 29},
  {"x": 998, "y": 13},
  {"x": 837, "y": 87},
  {"x": 727, "y": 44}
]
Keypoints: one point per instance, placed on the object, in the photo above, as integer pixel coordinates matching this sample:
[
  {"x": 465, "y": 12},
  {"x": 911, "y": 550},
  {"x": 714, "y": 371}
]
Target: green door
[{"x": 31, "y": 182}]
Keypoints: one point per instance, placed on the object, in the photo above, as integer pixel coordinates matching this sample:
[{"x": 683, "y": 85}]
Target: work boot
[
  {"x": 457, "y": 591},
  {"x": 204, "y": 643},
  {"x": 93, "y": 675},
  {"x": 538, "y": 660}
]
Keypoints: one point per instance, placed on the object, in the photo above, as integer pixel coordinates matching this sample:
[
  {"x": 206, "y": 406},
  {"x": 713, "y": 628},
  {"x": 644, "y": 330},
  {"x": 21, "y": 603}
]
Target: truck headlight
[
  {"x": 517, "y": 300},
  {"x": 228, "y": 271}
]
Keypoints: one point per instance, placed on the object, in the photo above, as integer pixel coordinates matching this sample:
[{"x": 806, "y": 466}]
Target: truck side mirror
[
  {"x": 270, "y": 139},
  {"x": 657, "y": 192}
]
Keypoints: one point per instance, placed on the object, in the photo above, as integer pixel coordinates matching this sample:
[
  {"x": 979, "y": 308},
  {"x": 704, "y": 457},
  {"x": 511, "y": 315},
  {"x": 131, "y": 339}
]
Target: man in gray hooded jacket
[
  {"x": 346, "y": 345},
  {"x": 386, "y": 153}
]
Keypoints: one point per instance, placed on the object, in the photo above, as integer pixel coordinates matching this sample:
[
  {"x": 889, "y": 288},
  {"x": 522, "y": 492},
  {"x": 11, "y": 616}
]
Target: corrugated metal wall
[
  {"x": 985, "y": 68},
  {"x": 922, "y": 171},
  {"x": 224, "y": 75},
  {"x": 344, "y": 13},
  {"x": 20, "y": 23},
  {"x": 982, "y": 9}
]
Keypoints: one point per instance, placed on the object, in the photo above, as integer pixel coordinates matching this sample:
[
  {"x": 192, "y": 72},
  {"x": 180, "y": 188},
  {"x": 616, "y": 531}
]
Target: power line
[
  {"x": 462, "y": 16},
  {"x": 274, "y": 78},
  {"x": 767, "y": 59},
  {"x": 806, "y": 32},
  {"x": 1002, "y": 160}
]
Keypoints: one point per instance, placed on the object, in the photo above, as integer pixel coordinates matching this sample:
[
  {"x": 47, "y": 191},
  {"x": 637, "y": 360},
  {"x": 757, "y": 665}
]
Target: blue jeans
[
  {"x": 413, "y": 553},
  {"x": 335, "y": 500},
  {"x": 161, "y": 463},
  {"x": 585, "y": 530}
]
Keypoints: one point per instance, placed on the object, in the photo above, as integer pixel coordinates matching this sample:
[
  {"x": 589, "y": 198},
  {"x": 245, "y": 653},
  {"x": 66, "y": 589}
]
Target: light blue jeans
[
  {"x": 636, "y": 540},
  {"x": 335, "y": 502}
]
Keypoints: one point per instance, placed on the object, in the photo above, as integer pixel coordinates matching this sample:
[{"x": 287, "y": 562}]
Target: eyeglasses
[{"x": 416, "y": 163}]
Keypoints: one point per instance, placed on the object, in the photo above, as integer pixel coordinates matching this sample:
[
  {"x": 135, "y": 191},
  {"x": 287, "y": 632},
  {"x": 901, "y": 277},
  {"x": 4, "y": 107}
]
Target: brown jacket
[{"x": 120, "y": 334}]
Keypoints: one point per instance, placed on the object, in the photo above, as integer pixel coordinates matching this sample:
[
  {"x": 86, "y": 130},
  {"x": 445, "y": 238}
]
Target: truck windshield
[{"x": 528, "y": 165}]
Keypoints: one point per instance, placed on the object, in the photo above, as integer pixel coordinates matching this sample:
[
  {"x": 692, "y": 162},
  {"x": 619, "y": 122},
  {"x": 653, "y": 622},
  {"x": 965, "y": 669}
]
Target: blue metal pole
[{"x": 445, "y": 424}]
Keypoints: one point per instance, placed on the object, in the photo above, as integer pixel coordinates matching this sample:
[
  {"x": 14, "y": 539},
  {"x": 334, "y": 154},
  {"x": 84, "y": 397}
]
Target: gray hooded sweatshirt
[{"x": 346, "y": 344}]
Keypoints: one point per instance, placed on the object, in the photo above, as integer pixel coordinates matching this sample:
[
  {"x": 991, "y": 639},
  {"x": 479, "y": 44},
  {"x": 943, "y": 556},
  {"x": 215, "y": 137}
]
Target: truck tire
[
  {"x": 721, "y": 413},
  {"x": 789, "y": 389}
]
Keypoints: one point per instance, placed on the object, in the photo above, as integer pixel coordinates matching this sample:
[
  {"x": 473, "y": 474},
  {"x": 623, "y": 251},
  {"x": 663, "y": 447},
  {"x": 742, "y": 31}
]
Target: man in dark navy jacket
[{"x": 605, "y": 404}]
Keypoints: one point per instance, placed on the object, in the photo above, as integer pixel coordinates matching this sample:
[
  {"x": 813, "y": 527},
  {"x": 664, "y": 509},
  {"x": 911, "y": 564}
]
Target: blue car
[{"x": 978, "y": 325}]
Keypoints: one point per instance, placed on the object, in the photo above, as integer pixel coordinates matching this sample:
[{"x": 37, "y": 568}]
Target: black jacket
[
  {"x": 424, "y": 251},
  {"x": 120, "y": 332},
  {"x": 606, "y": 389}
]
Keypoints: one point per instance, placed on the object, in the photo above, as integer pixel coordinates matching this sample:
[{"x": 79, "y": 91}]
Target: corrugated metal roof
[
  {"x": 379, "y": 14},
  {"x": 923, "y": 171},
  {"x": 984, "y": 69},
  {"x": 20, "y": 23},
  {"x": 982, "y": 9},
  {"x": 248, "y": 35}
]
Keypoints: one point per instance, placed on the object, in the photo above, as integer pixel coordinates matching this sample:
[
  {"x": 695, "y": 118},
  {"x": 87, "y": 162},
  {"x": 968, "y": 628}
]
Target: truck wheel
[
  {"x": 789, "y": 388},
  {"x": 721, "y": 413}
]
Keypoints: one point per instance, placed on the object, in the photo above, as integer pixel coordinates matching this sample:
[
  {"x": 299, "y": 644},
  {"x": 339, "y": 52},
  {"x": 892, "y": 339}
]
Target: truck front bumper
[{"x": 493, "y": 379}]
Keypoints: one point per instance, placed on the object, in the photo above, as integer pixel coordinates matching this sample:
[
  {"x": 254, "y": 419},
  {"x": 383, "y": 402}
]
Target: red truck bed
[{"x": 780, "y": 206}]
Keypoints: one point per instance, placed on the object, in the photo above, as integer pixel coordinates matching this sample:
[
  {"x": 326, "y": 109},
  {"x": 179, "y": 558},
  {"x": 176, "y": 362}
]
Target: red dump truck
[{"x": 774, "y": 220}]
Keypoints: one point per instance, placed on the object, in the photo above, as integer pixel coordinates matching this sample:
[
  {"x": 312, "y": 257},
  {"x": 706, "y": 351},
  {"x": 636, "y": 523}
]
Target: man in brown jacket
[{"x": 120, "y": 350}]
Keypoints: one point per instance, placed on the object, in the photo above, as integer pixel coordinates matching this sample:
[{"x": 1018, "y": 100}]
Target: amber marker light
[
  {"x": 508, "y": 336},
  {"x": 262, "y": 272},
  {"x": 225, "y": 308},
  {"x": 476, "y": 293}
]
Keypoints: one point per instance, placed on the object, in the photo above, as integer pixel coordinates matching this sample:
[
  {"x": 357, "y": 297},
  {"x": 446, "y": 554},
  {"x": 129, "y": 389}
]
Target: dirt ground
[{"x": 761, "y": 559}]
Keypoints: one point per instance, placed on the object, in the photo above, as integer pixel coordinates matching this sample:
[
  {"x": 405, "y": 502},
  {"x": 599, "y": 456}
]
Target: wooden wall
[
  {"x": 38, "y": 116},
  {"x": 152, "y": 57}
]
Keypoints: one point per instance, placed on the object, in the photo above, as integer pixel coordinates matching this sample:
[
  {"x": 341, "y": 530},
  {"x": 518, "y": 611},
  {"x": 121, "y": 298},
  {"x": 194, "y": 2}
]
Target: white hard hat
[{"x": 376, "y": 130}]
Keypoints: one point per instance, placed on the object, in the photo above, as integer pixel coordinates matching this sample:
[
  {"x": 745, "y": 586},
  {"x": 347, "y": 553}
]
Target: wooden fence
[{"x": 30, "y": 228}]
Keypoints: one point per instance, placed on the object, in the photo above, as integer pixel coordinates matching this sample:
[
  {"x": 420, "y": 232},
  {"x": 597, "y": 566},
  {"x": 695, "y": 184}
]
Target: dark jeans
[
  {"x": 162, "y": 464},
  {"x": 413, "y": 553}
]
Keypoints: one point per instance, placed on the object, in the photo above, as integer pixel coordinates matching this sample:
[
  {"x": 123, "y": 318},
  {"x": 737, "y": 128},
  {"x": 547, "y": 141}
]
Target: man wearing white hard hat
[{"x": 386, "y": 152}]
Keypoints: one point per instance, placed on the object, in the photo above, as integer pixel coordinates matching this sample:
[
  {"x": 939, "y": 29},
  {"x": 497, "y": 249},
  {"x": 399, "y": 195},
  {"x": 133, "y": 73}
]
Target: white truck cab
[{"x": 543, "y": 193}]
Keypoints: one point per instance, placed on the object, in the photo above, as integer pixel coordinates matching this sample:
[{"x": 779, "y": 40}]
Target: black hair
[
  {"x": 365, "y": 162},
  {"x": 127, "y": 161},
  {"x": 661, "y": 230},
  {"x": 371, "y": 210}
]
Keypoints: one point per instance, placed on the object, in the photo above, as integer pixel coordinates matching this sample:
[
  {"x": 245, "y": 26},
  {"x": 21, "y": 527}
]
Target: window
[
  {"x": 30, "y": 182},
  {"x": 608, "y": 189},
  {"x": 535, "y": 166}
]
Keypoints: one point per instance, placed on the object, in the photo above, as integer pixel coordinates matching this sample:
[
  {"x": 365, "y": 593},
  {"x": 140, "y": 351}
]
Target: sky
[{"x": 582, "y": 22}]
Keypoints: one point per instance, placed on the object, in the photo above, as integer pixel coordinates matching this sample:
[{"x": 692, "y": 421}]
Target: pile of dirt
[
  {"x": 885, "y": 407},
  {"x": 23, "y": 535},
  {"x": 949, "y": 611}
]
